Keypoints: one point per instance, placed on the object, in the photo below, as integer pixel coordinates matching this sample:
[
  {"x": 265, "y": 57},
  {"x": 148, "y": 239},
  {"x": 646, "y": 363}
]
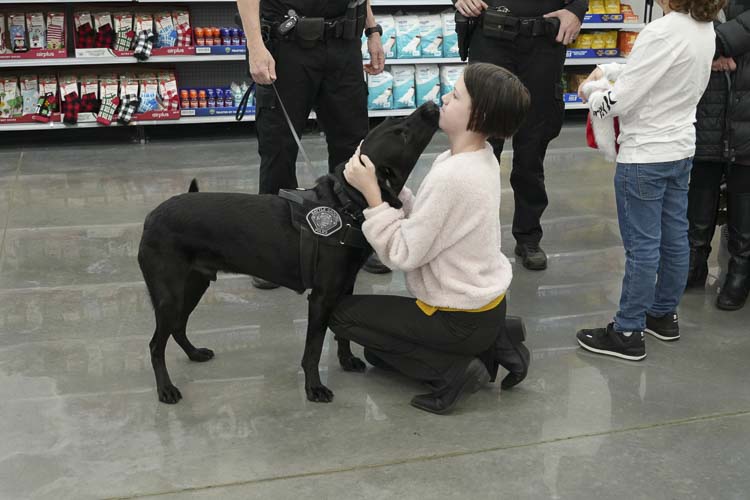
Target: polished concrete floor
[{"x": 79, "y": 417}]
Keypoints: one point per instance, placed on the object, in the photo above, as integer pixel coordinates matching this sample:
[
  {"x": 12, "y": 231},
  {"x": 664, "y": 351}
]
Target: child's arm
[
  {"x": 733, "y": 37},
  {"x": 648, "y": 63}
]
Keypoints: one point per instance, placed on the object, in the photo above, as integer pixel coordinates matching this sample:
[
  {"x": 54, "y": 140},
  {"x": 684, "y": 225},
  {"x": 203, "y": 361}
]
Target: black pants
[
  {"x": 327, "y": 78},
  {"x": 539, "y": 63},
  {"x": 433, "y": 349},
  {"x": 708, "y": 176}
]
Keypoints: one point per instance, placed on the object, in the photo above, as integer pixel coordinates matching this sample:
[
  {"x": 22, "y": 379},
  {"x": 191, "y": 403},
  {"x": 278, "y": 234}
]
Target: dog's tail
[{"x": 193, "y": 186}]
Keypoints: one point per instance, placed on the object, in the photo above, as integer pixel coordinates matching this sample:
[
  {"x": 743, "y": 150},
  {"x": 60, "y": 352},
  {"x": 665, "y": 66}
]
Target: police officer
[
  {"x": 524, "y": 37},
  {"x": 311, "y": 52}
]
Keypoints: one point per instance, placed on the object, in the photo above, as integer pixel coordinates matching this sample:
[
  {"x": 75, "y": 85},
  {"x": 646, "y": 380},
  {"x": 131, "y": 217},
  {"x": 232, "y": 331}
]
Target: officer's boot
[
  {"x": 737, "y": 284},
  {"x": 703, "y": 205}
]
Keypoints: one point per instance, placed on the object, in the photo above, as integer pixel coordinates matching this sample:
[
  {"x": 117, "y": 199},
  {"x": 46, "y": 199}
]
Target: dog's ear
[{"x": 389, "y": 194}]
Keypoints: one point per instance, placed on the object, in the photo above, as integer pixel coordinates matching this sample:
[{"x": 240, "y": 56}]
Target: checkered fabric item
[
  {"x": 105, "y": 37},
  {"x": 71, "y": 108},
  {"x": 108, "y": 109},
  {"x": 128, "y": 107},
  {"x": 44, "y": 107},
  {"x": 124, "y": 39},
  {"x": 184, "y": 35},
  {"x": 85, "y": 36},
  {"x": 144, "y": 44},
  {"x": 89, "y": 103}
]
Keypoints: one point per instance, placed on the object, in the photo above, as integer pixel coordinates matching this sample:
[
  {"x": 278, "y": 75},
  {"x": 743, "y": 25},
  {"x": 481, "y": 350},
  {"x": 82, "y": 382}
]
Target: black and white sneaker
[
  {"x": 665, "y": 328},
  {"x": 609, "y": 342}
]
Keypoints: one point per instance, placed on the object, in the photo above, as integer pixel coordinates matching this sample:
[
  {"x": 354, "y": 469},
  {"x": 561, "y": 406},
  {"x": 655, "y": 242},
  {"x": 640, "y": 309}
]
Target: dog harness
[{"x": 320, "y": 224}]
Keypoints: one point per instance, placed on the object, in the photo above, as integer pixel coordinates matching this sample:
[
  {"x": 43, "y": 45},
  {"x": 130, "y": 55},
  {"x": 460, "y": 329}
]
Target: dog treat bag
[
  {"x": 55, "y": 30},
  {"x": 380, "y": 91},
  {"x": 165, "y": 29},
  {"x": 431, "y": 31},
  {"x": 449, "y": 75},
  {"x": 428, "y": 83},
  {"x": 29, "y": 93},
  {"x": 404, "y": 88},
  {"x": 388, "y": 23},
  {"x": 408, "y": 37},
  {"x": 450, "y": 37},
  {"x": 37, "y": 30},
  {"x": 17, "y": 32}
]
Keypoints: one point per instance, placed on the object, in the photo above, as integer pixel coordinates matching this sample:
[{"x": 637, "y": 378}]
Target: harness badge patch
[{"x": 324, "y": 221}]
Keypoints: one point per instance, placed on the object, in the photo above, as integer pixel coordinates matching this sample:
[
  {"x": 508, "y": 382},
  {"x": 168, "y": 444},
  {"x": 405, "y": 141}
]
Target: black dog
[{"x": 190, "y": 237}]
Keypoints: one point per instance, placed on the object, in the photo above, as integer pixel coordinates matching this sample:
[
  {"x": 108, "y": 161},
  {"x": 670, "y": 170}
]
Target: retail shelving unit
[{"x": 203, "y": 70}]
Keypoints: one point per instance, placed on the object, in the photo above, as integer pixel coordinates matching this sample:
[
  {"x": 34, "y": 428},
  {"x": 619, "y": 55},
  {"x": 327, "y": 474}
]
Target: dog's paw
[
  {"x": 169, "y": 394},
  {"x": 319, "y": 394},
  {"x": 201, "y": 354},
  {"x": 352, "y": 364}
]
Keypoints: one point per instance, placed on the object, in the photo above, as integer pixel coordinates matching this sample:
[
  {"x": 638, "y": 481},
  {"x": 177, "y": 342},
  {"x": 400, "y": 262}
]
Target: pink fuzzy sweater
[{"x": 447, "y": 237}]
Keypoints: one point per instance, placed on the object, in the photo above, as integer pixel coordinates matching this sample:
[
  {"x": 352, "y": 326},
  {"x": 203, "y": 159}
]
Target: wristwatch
[{"x": 375, "y": 29}]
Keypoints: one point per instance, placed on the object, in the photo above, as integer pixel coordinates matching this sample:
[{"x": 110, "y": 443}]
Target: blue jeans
[{"x": 652, "y": 201}]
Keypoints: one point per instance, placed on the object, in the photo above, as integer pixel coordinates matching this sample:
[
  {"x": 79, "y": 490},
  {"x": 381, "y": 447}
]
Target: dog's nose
[{"x": 431, "y": 112}]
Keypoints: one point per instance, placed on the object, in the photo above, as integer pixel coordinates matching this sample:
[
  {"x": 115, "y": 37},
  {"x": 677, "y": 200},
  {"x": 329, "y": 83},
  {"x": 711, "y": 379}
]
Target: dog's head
[{"x": 395, "y": 145}]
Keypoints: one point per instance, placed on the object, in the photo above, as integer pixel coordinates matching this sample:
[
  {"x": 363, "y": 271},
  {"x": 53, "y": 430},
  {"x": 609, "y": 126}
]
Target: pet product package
[
  {"x": 388, "y": 23},
  {"x": 431, "y": 31},
  {"x": 55, "y": 30},
  {"x": 29, "y": 93},
  {"x": 17, "y": 32},
  {"x": 149, "y": 93},
  {"x": 11, "y": 102},
  {"x": 408, "y": 37},
  {"x": 181, "y": 20},
  {"x": 169, "y": 98},
  {"x": 450, "y": 38},
  {"x": 144, "y": 21},
  {"x": 428, "y": 83},
  {"x": 124, "y": 34},
  {"x": 165, "y": 29},
  {"x": 90, "y": 85},
  {"x": 37, "y": 30},
  {"x": 380, "y": 89},
  {"x": 101, "y": 19},
  {"x": 48, "y": 85},
  {"x": 108, "y": 85},
  {"x": 68, "y": 85},
  {"x": 4, "y": 47},
  {"x": 449, "y": 75},
  {"x": 404, "y": 88}
]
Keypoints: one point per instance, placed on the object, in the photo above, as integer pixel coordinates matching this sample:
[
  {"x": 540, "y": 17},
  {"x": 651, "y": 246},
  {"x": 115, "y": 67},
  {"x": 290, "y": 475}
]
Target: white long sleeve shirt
[
  {"x": 656, "y": 92},
  {"x": 447, "y": 237}
]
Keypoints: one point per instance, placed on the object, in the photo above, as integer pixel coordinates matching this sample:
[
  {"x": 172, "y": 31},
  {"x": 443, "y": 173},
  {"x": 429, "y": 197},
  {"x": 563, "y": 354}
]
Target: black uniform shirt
[
  {"x": 277, "y": 9},
  {"x": 537, "y": 8}
]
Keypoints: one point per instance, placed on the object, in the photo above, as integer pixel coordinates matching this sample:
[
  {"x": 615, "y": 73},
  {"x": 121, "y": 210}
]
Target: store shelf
[
  {"x": 82, "y": 61},
  {"x": 613, "y": 26},
  {"x": 592, "y": 61},
  {"x": 576, "y": 105}
]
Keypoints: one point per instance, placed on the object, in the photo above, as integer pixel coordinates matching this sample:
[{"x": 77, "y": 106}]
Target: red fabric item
[
  {"x": 89, "y": 103},
  {"x": 85, "y": 37},
  {"x": 591, "y": 140},
  {"x": 71, "y": 108},
  {"x": 184, "y": 35},
  {"x": 105, "y": 37}
]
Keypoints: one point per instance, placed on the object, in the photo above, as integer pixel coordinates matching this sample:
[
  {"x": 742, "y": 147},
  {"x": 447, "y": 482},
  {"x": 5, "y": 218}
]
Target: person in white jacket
[
  {"x": 447, "y": 241},
  {"x": 655, "y": 95}
]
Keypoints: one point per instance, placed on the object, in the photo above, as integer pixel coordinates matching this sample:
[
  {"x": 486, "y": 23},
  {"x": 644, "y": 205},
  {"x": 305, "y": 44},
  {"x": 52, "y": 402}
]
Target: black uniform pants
[
  {"x": 539, "y": 63},
  {"x": 327, "y": 78},
  {"x": 433, "y": 349},
  {"x": 708, "y": 175}
]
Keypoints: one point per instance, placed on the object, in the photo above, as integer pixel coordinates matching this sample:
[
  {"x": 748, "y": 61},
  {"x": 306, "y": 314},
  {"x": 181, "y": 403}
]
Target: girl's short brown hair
[
  {"x": 499, "y": 101},
  {"x": 700, "y": 10}
]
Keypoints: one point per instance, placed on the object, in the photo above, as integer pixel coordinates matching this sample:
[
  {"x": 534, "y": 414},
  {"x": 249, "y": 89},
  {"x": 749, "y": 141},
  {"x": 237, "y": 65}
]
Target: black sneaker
[
  {"x": 532, "y": 256},
  {"x": 665, "y": 328},
  {"x": 609, "y": 342}
]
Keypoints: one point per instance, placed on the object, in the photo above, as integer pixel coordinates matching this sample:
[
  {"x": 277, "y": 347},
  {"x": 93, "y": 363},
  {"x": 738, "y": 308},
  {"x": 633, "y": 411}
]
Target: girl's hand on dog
[{"x": 360, "y": 174}]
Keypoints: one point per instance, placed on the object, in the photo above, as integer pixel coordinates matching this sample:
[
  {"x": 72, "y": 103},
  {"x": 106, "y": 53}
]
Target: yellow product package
[
  {"x": 597, "y": 7},
  {"x": 612, "y": 6},
  {"x": 599, "y": 40},
  {"x": 611, "y": 39},
  {"x": 584, "y": 41}
]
